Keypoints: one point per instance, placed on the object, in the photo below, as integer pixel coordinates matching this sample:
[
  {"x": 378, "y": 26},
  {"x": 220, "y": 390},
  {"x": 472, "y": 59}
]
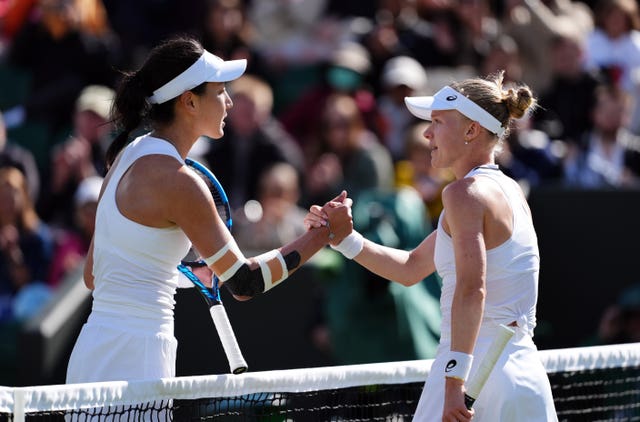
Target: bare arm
[
  {"x": 88, "y": 268},
  {"x": 404, "y": 267},
  {"x": 464, "y": 220},
  {"x": 195, "y": 213}
]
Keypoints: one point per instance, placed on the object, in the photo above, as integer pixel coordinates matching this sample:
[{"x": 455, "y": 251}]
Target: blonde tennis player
[
  {"x": 152, "y": 208},
  {"x": 485, "y": 249}
]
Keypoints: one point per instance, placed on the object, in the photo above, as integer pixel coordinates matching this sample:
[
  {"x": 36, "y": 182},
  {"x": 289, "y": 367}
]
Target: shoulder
[
  {"x": 462, "y": 189},
  {"x": 474, "y": 191},
  {"x": 166, "y": 175}
]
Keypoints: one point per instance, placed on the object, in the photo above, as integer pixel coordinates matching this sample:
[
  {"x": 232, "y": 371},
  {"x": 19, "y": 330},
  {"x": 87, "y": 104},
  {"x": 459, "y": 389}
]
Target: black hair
[{"x": 131, "y": 108}]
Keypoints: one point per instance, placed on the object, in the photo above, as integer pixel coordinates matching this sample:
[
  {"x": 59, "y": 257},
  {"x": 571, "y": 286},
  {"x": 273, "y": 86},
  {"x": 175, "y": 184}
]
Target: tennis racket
[
  {"x": 237, "y": 364},
  {"x": 474, "y": 386}
]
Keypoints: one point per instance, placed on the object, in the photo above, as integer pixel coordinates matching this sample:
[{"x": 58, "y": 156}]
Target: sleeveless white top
[
  {"x": 135, "y": 265},
  {"x": 512, "y": 267}
]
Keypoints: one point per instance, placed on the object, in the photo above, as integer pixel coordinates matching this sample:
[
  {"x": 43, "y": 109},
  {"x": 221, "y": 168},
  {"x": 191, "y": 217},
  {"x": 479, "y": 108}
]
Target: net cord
[{"x": 21, "y": 400}]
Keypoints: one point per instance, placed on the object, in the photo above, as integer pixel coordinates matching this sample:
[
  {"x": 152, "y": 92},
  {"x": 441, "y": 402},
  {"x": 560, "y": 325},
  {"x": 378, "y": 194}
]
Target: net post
[{"x": 18, "y": 405}]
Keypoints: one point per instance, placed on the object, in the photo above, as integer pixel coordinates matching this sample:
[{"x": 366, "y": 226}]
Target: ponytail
[{"x": 129, "y": 108}]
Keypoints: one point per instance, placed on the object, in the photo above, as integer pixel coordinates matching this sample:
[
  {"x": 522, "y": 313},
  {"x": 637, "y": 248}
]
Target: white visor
[
  {"x": 208, "y": 68},
  {"x": 450, "y": 99}
]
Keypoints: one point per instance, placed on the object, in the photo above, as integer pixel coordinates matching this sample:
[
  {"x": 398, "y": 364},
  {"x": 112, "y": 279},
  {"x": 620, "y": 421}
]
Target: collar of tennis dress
[
  {"x": 208, "y": 68},
  {"x": 450, "y": 99}
]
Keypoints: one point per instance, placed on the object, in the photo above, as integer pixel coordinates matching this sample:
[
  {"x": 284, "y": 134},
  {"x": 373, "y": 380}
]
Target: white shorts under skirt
[
  {"x": 517, "y": 390},
  {"x": 118, "y": 352}
]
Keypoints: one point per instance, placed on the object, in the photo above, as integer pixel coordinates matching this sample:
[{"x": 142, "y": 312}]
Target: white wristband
[
  {"x": 458, "y": 365},
  {"x": 351, "y": 245}
]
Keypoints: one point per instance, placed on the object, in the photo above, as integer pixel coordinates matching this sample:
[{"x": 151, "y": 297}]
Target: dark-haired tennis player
[
  {"x": 152, "y": 208},
  {"x": 485, "y": 249}
]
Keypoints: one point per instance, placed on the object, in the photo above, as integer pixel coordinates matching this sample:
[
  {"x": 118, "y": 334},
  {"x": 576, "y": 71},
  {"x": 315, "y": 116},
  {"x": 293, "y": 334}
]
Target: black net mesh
[{"x": 607, "y": 388}]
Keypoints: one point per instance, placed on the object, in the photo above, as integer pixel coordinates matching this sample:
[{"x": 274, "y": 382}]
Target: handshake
[{"x": 336, "y": 216}]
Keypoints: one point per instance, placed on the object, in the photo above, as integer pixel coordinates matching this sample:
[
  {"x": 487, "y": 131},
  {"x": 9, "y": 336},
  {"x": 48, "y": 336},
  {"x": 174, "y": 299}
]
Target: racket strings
[{"x": 221, "y": 204}]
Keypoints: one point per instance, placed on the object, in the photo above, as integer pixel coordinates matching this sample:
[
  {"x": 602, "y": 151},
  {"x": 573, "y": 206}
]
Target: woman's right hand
[
  {"x": 336, "y": 214},
  {"x": 317, "y": 216}
]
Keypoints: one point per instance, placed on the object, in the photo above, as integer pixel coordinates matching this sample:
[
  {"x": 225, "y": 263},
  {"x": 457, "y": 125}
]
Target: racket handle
[
  {"x": 468, "y": 401},
  {"x": 230, "y": 345},
  {"x": 476, "y": 383}
]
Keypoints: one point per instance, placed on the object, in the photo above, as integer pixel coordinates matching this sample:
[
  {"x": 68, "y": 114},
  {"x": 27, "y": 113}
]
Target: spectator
[
  {"x": 14, "y": 155},
  {"x": 402, "y": 77},
  {"x": 70, "y": 46},
  {"x": 291, "y": 33},
  {"x": 416, "y": 171},
  {"x": 13, "y": 16},
  {"x": 502, "y": 54},
  {"x": 530, "y": 157},
  {"x": 72, "y": 244},
  {"x": 346, "y": 73},
  {"x": 274, "y": 218},
  {"x": 434, "y": 33},
  {"x": 620, "y": 321},
  {"x": 254, "y": 140},
  {"x": 533, "y": 24},
  {"x": 25, "y": 249},
  {"x": 565, "y": 111},
  {"x": 614, "y": 47},
  {"x": 79, "y": 157},
  {"x": 346, "y": 155},
  {"x": 382, "y": 40},
  {"x": 610, "y": 157},
  {"x": 480, "y": 32},
  {"x": 227, "y": 32}
]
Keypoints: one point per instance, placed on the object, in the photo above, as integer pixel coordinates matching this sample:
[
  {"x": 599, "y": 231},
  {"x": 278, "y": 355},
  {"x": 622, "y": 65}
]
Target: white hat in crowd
[
  {"x": 88, "y": 190},
  {"x": 404, "y": 70}
]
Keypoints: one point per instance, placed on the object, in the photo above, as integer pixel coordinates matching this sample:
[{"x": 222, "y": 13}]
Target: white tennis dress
[
  {"x": 129, "y": 333},
  {"x": 518, "y": 388}
]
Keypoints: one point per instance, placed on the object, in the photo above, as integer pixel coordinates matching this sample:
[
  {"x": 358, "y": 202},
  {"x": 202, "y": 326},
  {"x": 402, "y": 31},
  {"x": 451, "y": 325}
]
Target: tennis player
[
  {"x": 485, "y": 249},
  {"x": 152, "y": 208}
]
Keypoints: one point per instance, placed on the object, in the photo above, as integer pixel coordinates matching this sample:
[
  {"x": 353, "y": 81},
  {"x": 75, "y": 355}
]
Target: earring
[{"x": 466, "y": 142}]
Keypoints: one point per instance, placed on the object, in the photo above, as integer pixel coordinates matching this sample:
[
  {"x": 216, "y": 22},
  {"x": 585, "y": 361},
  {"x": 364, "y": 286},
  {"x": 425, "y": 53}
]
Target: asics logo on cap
[
  {"x": 450, "y": 365},
  {"x": 452, "y": 98}
]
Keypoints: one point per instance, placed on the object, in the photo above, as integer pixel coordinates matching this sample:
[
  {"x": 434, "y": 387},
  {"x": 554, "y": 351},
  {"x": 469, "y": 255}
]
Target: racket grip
[
  {"x": 476, "y": 383},
  {"x": 468, "y": 401},
  {"x": 237, "y": 364}
]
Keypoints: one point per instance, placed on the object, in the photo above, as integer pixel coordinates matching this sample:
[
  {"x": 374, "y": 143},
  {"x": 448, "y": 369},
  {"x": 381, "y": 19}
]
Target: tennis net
[{"x": 599, "y": 383}]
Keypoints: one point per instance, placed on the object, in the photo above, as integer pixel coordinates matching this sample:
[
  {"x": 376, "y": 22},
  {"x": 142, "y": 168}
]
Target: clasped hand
[{"x": 335, "y": 214}]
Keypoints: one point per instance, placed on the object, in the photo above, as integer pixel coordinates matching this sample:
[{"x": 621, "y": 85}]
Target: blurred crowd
[{"x": 320, "y": 109}]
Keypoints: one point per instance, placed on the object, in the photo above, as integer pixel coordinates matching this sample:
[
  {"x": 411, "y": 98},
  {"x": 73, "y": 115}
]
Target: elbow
[
  {"x": 87, "y": 277},
  {"x": 410, "y": 280},
  {"x": 88, "y": 281},
  {"x": 477, "y": 295}
]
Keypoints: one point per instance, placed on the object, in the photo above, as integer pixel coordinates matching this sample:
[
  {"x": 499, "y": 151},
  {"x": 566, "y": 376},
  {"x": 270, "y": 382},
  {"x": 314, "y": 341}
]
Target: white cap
[
  {"x": 404, "y": 70},
  {"x": 352, "y": 55},
  {"x": 88, "y": 190},
  {"x": 450, "y": 99},
  {"x": 96, "y": 98},
  {"x": 208, "y": 68}
]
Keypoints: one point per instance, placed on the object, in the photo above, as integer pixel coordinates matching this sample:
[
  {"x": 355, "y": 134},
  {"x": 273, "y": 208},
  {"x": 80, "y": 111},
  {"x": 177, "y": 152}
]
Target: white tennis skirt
[
  {"x": 517, "y": 389},
  {"x": 112, "y": 349}
]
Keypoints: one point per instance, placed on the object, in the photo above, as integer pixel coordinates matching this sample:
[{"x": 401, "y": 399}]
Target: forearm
[
  {"x": 246, "y": 278},
  {"x": 88, "y": 268},
  {"x": 466, "y": 316},
  {"x": 401, "y": 266},
  {"x": 306, "y": 246},
  {"x": 389, "y": 263}
]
